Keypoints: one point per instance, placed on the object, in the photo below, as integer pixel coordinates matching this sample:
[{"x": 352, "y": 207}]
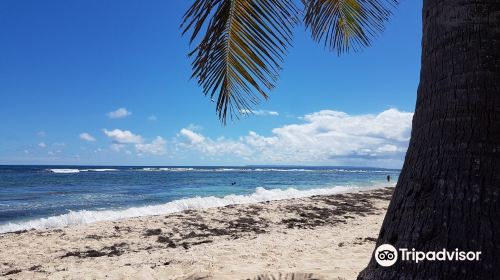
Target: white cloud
[
  {"x": 156, "y": 147},
  {"x": 259, "y": 112},
  {"x": 123, "y": 136},
  {"x": 324, "y": 137},
  {"x": 152, "y": 118},
  {"x": 87, "y": 137},
  {"x": 121, "y": 139},
  {"x": 192, "y": 136},
  {"x": 217, "y": 147},
  {"x": 42, "y": 145},
  {"x": 388, "y": 148},
  {"x": 328, "y": 135},
  {"x": 119, "y": 113}
]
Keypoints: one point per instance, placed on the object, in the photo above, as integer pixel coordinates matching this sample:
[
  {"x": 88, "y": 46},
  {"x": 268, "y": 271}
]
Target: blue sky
[{"x": 66, "y": 65}]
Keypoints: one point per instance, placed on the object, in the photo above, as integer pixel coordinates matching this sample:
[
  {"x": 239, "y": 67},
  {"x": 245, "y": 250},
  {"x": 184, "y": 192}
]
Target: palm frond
[
  {"x": 239, "y": 56},
  {"x": 347, "y": 24}
]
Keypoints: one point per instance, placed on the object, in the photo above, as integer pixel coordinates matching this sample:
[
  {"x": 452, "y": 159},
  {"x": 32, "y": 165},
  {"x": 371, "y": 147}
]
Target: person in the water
[{"x": 388, "y": 178}]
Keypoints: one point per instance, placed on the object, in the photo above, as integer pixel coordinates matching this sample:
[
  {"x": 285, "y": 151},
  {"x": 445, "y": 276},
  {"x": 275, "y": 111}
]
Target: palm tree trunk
[{"x": 448, "y": 193}]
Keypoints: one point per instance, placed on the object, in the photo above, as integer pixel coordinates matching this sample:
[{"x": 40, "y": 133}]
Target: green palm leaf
[
  {"x": 347, "y": 24},
  {"x": 239, "y": 56}
]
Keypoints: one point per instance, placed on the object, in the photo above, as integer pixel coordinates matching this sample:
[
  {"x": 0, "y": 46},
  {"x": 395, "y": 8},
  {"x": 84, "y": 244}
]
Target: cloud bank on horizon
[
  {"x": 322, "y": 138},
  {"x": 325, "y": 137}
]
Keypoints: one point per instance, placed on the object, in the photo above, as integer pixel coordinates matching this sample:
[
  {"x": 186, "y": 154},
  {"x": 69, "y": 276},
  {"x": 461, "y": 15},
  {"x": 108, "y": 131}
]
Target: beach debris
[
  {"x": 165, "y": 239},
  {"x": 198, "y": 276},
  {"x": 110, "y": 251},
  {"x": 14, "y": 271},
  {"x": 151, "y": 232},
  {"x": 94, "y": 236},
  {"x": 35, "y": 267},
  {"x": 286, "y": 276},
  {"x": 333, "y": 209},
  {"x": 179, "y": 242}
]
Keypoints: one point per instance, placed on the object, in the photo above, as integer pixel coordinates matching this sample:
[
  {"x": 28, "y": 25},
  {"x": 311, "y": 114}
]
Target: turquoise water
[{"x": 56, "y": 196}]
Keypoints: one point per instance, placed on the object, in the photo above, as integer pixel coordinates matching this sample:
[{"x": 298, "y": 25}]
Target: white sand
[{"x": 330, "y": 236}]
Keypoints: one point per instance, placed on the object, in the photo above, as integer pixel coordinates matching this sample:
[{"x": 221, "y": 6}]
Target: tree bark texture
[{"x": 448, "y": 193}]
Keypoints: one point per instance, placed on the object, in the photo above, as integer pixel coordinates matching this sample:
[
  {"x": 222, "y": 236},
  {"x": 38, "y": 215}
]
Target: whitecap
[
  {"x": 64, "y": 170},
  {"x": 99, "y": 170},
  {"x": 260, "y": 195}
]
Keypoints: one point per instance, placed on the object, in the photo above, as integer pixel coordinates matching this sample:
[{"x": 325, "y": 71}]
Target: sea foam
[
  {"x": 64, "y": 170},
  {"x": 191, "y": 169},
  {"x": 67, "y": 170},
  {"x": 260, "y": 195}
]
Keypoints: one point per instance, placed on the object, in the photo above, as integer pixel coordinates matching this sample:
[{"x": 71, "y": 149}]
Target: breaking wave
[
  {"x": 68, "y": 170},
  {"x": 64, "y": 170},
  {"x": 91, "y": 216},
  {"x": 191, "y": 169}
]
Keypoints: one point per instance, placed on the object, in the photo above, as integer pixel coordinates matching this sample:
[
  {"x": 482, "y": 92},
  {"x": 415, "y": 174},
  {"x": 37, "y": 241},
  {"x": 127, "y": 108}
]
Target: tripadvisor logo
[{"x": 386, "y": 255}]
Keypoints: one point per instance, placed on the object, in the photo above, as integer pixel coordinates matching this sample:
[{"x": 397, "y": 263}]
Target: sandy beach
[{"x": 331, "y": 237}]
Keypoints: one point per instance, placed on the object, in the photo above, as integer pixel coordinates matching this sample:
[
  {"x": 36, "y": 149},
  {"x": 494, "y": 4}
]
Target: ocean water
[{"x": 57, "y": 196}]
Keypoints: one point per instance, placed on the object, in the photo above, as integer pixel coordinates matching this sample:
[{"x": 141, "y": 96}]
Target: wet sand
[{"x": 330, "y": 237}]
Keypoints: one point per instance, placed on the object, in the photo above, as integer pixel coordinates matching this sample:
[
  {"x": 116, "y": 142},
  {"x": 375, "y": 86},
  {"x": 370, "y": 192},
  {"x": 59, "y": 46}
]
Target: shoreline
[
  {"x": 83, "y": 217},
  {"x": 331, "y": 236}
]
